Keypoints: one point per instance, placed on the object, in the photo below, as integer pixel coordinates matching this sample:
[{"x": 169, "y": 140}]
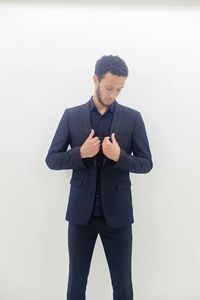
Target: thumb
[
  {"x": 91, "y": 134},
  {"x": 113, "y": 138}
]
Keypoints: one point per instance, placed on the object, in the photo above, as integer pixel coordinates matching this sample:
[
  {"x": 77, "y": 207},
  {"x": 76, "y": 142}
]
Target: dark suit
[{"x": 135, "y": 156}]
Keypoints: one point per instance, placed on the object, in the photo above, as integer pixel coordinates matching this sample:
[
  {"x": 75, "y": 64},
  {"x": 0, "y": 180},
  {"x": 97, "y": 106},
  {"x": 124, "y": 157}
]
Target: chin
[
  {"x": 107, "y": 104},
  {"x": 109, "y": 101}
]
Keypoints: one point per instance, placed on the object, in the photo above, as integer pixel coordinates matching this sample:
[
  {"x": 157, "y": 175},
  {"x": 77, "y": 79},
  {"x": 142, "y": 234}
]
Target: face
[{"x": 108, "y": 88}]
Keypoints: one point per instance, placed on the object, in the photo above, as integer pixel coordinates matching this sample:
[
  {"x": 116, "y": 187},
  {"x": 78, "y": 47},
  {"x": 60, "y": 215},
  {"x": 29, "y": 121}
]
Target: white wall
[{"x": 47, "y": 58}]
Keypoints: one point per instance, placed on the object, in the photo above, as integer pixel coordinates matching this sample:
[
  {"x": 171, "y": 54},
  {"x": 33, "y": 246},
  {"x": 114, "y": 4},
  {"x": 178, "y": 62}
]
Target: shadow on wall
[{"x": 116, "y": 2}]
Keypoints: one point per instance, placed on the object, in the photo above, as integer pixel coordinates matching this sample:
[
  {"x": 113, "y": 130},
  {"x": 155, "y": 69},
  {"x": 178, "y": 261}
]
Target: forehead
[{"x": 113, "y": 80}]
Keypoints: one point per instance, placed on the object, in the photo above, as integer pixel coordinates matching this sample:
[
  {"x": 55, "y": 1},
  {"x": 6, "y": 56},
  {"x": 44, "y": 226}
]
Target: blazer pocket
[
  {"x": 76, "y": 182},
  {"x": 123, "y": 184}
]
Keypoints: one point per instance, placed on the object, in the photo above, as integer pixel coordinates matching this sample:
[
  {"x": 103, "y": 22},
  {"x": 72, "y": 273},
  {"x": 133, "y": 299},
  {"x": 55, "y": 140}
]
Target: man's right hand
[{"x": 91, "y": 146}]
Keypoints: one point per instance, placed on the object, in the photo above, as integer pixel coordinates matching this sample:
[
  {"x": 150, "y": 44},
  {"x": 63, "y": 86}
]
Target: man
[{"x": 108, "y": 141}]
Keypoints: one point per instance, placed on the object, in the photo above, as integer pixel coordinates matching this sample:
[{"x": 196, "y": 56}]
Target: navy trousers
[{"x": 117, "y": 244}]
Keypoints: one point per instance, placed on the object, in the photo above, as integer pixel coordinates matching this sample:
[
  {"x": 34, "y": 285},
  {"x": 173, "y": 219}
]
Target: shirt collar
[{"x": 93, "y": 106}]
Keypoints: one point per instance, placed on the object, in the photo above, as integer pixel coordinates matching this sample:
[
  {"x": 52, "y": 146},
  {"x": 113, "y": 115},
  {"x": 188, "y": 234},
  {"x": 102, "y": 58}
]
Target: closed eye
[{"x": 110, "y": 89}]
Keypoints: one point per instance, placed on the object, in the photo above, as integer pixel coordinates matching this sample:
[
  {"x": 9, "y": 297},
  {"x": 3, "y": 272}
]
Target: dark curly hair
[{"x": 110, "y": 63}]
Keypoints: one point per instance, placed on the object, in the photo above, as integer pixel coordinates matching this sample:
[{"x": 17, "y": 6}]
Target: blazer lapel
[
  {"x": 86, "y": 122},
  {"x": 116, "y": 120},
  {"x": 115, "y": 125},
  {"x": 86, "y": 125}
]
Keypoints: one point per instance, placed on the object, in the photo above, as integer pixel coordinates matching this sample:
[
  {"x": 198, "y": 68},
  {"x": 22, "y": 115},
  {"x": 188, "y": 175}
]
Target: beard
[{"x": 100, "y": 99}]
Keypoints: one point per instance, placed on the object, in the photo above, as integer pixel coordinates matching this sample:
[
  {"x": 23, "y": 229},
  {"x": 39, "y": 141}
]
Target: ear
[{"x": 95, "y": 80}]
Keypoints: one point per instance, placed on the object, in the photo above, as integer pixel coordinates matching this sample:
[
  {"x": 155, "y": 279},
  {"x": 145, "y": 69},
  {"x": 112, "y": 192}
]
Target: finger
[
  {"x": 104, "y": 142},
  {"x": 97, "y": 143},
  {"x": 95, "y": 139},
  {"x": 97, "y": 148},
  {"x": 113, "y": 138},
  {"x": 91, "y": 134},
  {"x": 106, "y": 138}
]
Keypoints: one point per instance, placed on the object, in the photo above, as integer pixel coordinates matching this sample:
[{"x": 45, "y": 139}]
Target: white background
[{"x": 47, "y": 58}]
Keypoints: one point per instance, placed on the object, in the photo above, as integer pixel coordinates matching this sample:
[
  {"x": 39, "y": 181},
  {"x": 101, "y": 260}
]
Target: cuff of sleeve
[
  {"x": 122, "y": 162},
  {"x": 77, "y": 157}
]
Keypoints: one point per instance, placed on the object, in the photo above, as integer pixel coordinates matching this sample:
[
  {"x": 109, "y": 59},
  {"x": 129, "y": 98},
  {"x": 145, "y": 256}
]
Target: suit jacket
[{"x": 135, "y": 156}]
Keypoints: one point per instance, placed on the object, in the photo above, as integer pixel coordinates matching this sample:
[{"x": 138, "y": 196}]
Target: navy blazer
[{"x": 135, "y": 157}]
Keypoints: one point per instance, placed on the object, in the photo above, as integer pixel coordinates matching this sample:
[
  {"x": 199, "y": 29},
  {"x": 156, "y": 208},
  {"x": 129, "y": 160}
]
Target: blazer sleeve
[
  {"x": 58, "y": 157},
  {"x": 141, "y": 160}
]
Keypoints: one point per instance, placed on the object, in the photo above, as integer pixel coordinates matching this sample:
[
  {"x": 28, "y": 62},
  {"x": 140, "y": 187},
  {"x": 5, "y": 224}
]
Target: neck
[{"x": 100, "y": 107}]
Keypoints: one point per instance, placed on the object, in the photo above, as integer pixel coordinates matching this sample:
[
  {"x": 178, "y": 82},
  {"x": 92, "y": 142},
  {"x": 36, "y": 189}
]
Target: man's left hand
[{"x": 111, "y": 149}]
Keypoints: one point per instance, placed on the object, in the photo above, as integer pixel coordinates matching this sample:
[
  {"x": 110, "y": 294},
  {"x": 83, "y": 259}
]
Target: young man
[{"x": 108, "y": 141}]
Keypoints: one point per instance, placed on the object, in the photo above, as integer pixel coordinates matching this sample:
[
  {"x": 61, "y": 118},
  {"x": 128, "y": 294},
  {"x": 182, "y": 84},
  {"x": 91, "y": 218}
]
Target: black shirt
[{"x": 101, "y": 125}]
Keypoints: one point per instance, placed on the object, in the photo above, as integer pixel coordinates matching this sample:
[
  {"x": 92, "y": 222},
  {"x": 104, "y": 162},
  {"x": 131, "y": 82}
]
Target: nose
[{"x": 113, "y": 95}]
